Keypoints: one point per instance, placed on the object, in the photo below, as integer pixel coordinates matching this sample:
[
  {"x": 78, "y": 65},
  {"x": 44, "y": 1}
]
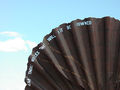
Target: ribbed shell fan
[{"x": 81, "y": 55}]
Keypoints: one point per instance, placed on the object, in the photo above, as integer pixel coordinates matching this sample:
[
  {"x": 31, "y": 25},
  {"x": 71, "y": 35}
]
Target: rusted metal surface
[{"x": 81, "y": 55}]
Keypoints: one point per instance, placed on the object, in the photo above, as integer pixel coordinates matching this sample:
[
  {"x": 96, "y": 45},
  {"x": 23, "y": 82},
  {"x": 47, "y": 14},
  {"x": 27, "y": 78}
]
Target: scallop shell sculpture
[{"x": 81, "y": 55}]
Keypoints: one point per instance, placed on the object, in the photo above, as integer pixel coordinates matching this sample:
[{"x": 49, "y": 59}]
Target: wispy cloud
[
  {"x": 11, "y": 34},
  {"x": 15, "y": 44}
]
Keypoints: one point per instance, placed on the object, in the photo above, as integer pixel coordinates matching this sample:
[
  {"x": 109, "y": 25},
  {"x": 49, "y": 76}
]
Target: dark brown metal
[{"x": 81, "y": 55}]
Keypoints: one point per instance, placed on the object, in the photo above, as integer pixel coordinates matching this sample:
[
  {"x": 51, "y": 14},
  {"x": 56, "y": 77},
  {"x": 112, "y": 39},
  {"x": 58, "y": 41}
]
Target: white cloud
[
  {"x": 13, "y": 45},
  {"x": 31, "y": 44},
  {"x": 11, "y": 34},
  {"x": 16, "y": 44}
]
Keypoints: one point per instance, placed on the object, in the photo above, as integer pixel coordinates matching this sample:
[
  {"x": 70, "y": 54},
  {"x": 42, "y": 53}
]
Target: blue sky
[{"x": 24, "y": 23}]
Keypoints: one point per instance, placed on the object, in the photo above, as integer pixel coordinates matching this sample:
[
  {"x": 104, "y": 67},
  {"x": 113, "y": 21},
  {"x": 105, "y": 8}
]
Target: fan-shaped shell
[{"x": 81, "y": 55}]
